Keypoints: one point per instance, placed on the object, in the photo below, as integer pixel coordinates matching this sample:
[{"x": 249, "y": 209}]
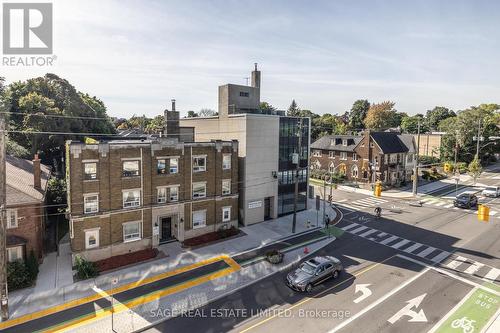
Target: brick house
[
  {"x": 26, "y": 188},
  {"x": 367, "y": 157},
  {"x": 129, "y": 195}
]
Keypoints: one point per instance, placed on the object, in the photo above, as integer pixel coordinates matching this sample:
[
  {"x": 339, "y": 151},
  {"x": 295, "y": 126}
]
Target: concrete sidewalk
[{"x": 55, "y": 285}]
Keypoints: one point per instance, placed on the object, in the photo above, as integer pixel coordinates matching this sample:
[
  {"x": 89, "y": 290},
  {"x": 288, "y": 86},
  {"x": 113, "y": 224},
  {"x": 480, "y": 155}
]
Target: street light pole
[
  {"x": 415, "y": 167},
  {"x": 294, "y": 223},
  {"x": 478, "y": 137}
]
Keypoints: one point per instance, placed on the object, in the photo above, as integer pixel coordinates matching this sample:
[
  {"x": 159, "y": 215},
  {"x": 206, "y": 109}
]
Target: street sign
[
  {"x": 407, "y": 311},
  {"x": 365, "y": 292}
]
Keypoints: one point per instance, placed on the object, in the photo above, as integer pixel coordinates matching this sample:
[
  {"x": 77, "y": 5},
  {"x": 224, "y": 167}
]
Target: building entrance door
[
  {"x": 267, "y": 208},
  {"x": 166, "y": 229}
]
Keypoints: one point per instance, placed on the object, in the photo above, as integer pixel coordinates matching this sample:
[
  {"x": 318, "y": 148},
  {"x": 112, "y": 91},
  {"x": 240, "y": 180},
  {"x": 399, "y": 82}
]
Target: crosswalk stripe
[
  {"x": 355, "y": 231},
  {"x": 455, "y": 207},
  {"x": 493, "y": 213},
  {"x": 427, "y": 199},
  {"x": 347, "y": 207},
  {"x": 413, "y": 247},
  {"x": 369, "y": 232},
  {"x": 399, "y": 244},
  {"x": 347, "y": 227},
  {"x": 374, "y": 200},
  {"x": 382, "y": 234},
  {"x": 474, "y": 268},
  {"x": 448, "y": 206},
  {"x": 457, "y": 262},
  {"x": 439, "y": 203},
  {"x": 343, "y": 200},
  {"x": 492, "y": 274},
  {"x": 361, "y": 204},
  {"x": 440, "y": 257},
  {"x": 426, "y": 252},
  {"x": 388, "y": 240},
  {"x": 432, "y": 201}
]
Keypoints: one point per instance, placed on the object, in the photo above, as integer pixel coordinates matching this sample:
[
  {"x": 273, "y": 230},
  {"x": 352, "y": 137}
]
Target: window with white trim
[
  {"x": 131, "y": 231},
  {"x": 161, "y": 194},
  {"x": 317, "y": 153},
  {"x": 331, "y": 154},
  {"x": 11, "y": 218},
  {"x": 226, "y": 214},
  {"x": 344, "y": 142},
  {"x": 354, "y": 171},
  {"x": 226, "y": 186},
  {"x": 173, "y": 193},
  {"x": 90, "y": 171},
  {"x": 199, "y": 163},
  {"x": 331, "y": 168},
  {"x": 161, "y": 166},
  {"x": 343, "y": 155},
  {"x": 90, "y": 203},
  {"x": 226, "y": 161},
  {"x": 354, "y": 156},
  {"x": 14, "y": 253},
  {"x": 131, "y": 198},
  {"x": 174, "y": 165},
  {"x": 130, "y": 168},
  {"x": 199, "y": 219},
  {"x": 199, "y": 190},
  {"x": 393, "y": 158},
  {"x": 91, "y": 238}
]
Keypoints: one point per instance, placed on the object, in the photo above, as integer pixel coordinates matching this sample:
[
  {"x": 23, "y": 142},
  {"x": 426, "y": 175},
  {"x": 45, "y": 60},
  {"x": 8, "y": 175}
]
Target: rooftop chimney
[
  {"x": 171, "y": 123},
  {"x": 37, "y": 173},
  {"x": 256, "y": 77},
  {"x": 173, "y": 104}
]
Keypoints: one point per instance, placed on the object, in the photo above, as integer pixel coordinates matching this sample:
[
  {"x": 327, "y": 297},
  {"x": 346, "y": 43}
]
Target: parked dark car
[
  {"x": 465, "y": 200},
  {"x": 313, "y": 272}
]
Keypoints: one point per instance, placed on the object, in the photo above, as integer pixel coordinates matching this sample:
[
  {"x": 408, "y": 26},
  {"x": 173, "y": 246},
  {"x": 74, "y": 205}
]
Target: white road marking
[
  {"x": 493, "y": 213},
  {"x": 426, "y": 252},
  {"x": 388, "y": 240},
  {"x": 369, "y": 232},
  {"x": 355, "y": 231},
  {"x": 427, "y": 199},
  {"x": 343, "y": 200},
  {"x": 440, "y": 257},
  {"x": 347, "y": 227},
  {"x": 439, "y": 203},
  {"x": 474, "y": 268},
  {"x": 382, "y": 234},
  {"x": 457, "y": 262},
  {"x": 365, "y": 292},
  {"x": 399, "y": 244},
  {"x": 407, "y": 311},
  {"x": 347, "y": 207},
  {"x": 492, "y": 274},
  {"x": 380, "y": 300},
  {"x": 448, "y": 206},
  {"x": 412, "y": 248}
]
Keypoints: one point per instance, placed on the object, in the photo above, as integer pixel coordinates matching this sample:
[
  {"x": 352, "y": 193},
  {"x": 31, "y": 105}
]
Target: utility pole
[
  {"x": 457, "y": 175},
  {"x": 478, "y": 138},
  {"x": 324, "y": 201},
  {"x": 297, "y": 168},
  {"x": 415, "y": 167},
  {"x": 4, "y": 305}
]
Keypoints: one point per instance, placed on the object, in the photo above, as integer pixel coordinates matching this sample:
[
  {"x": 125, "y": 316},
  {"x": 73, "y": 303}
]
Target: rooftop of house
[
  {"x": 336, "y": 142},
  {"x": 20, "y": 182},
  {"x": 390, "y": 142}
]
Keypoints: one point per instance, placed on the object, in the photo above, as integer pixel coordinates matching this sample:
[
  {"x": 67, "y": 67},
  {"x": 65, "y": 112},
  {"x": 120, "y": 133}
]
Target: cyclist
[{"x": 378, "y": 211}]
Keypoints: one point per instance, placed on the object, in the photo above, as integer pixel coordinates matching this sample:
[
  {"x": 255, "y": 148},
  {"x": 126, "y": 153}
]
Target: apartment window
[
  {"x": 11, "y": 218},
  {"x": 244, "y": 94},
  {"x": 131, "y": 231},
  {"x": 130, "y": 168},
  {"x": 331, "y": 154},
  {"x": 354, "y": 171},
  {"x": 199, "y": 190},
  {"x": 226, "y": 161},
  {"x": 90, "y": 203},
  {"x": 91, "y": 238},
  {"x": 161, "y": 166},
  {"x": 226, "y": 214},
  {"x": 199, "y": 219},
  {"x": 174, "y": 165},
  {"x": 14, "y": 253},
  {"x": 173, "y": 193},
  {"x": 386, "y": 159},
  {"x": 90, "y": 171},
  {"x": 331, "y": 168},
  {"x": 199, "y": 163},
  {"x": 354, "y": 156},
  {"x": 317, "y": 153},
  {"x": 344, "y": 142},
  {"x": 131, "y": 198},
  {"x": 343, "y": 155},
  {"x": 161, "y": 194},
  {"x": 393, "y": 158},
  {"x": 226, "y": 186}
]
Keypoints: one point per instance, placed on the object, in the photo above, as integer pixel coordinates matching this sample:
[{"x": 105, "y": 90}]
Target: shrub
[
  {"x": 275, "y": 256},
  {"x": 18, "y": 275},
  {"x": 32, "y": 266},
  {"x": 227, "y": 232},
  {"x": 85, "y": 269}
]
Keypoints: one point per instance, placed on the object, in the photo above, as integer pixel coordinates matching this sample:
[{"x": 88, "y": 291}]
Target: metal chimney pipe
[{"x": 173, "y": 105}]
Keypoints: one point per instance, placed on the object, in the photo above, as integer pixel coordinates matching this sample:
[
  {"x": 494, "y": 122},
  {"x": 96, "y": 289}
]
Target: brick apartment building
[
  {"x": 370, "y": 156},
  {"x": 129, "y": 195},
  {"x": 26, "y": 188}
]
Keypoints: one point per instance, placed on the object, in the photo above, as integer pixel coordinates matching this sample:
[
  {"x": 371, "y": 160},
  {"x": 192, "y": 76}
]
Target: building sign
[
  {"x": 255, "y": 204},
  {"x": 156, "y": 230}
]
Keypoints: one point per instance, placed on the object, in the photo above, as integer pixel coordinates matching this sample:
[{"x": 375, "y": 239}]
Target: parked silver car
[
  {"x": 491, "y": 191},
  {"x": 313, "y": 272}
]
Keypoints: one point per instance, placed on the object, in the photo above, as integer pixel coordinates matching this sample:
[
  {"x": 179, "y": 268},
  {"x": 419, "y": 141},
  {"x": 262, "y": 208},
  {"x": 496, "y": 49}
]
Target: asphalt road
[{"x": 392, "y": 281}]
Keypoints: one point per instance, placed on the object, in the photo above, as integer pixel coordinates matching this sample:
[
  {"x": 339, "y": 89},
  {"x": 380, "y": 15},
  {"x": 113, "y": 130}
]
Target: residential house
[
  {"x": 367, "y": 157},
  {"x": 26, "y": 188}
]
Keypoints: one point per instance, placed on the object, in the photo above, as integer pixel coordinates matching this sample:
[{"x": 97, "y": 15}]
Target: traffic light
[{"x": 483, "y": 213}]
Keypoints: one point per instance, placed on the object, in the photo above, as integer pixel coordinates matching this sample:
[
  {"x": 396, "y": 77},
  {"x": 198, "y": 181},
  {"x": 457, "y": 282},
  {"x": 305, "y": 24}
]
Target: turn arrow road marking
[
  {"x": 407, "y": 311},
  {"x": 365, "y": 292}
]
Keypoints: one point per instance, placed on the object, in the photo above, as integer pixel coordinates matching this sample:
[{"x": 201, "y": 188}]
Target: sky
[{"x": 138, "y": 55}]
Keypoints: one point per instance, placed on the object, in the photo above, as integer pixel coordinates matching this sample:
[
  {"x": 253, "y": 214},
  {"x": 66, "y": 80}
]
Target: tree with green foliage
[
  {"x": 410, "y": 124},
  {"x": 207, "y": 113},
  {"x": 381, "y": 116},
  {"x": 327, "y": 124},
  {"x": 293, "y": 109},
  {"x": 266, "y": 107},
  {"x": 475, "y": 169},
  {"x": 358, "y": 113},
  {"x": 191, "y": 114},
  {"x": 436, "y": 115}
]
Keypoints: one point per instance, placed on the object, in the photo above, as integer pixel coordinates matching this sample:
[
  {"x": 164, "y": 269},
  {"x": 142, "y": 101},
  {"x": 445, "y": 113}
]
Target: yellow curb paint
[{"x": 96, "y": 296}]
